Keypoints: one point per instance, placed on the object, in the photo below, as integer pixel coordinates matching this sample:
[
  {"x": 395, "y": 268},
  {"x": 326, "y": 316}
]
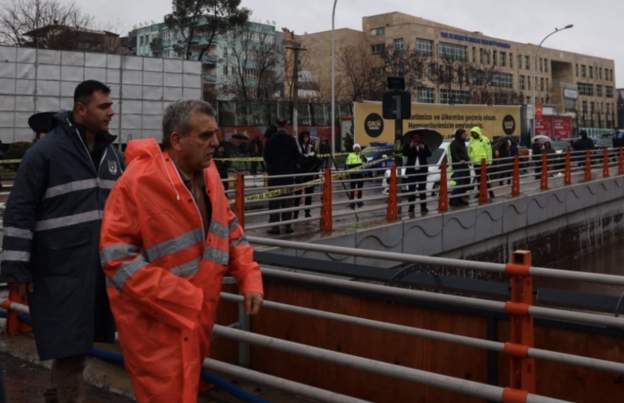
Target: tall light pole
[
  {"x": 557, "y": 30},
  {"x": 333, "y": 82}
]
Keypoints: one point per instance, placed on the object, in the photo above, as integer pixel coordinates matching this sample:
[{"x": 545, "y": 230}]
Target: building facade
[
  {"x": 445, "y": 64},
  {"x": 240, "y": 58}
]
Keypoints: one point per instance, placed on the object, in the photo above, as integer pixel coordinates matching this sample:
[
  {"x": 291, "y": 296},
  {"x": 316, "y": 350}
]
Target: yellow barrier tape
[{"x": 337, "y": 175}]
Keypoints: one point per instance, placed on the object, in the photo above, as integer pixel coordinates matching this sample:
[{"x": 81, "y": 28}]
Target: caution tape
[
  {"x": 335, "y": 176},
  {"x": 10, "y": 162}
]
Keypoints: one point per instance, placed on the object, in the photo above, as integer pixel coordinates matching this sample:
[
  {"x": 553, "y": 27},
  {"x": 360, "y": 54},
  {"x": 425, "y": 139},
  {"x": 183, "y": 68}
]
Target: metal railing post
[
  {"x": 515, "y": 180},
  {"x": 606, "y": 171},
  {"x": 544, "y": 178},
  {"x": 621, "y": 162},
  {"x": 326, "y": 209},
  {"x": 443, "y": 196},
  {"x": 243, "y": 348},
  {"x": 588, "y": 166},
  {"x": 522, "y": 368},
  {"x": 393, "y": 209},
  {"x": 567, "y": 176},
  {"x": 483, "y": 183},
  {"x": 240, "y": 199}
]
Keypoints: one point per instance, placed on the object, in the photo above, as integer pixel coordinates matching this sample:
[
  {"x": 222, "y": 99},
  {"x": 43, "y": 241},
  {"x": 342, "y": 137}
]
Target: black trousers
[
  {"x": 278, "y": 202},
  {"x": 356, "y": 185},
  {"x": 461, "y": 176},
  {"x": 417, "y": 183}
]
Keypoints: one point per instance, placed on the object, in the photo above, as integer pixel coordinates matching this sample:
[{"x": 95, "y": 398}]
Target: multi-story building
[
  {"x": 233, "y": 60},
  {"x": 451, "y": 65}
]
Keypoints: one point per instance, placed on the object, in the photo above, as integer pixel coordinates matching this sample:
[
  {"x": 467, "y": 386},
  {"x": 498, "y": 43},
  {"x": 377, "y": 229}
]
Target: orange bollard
[
  {"x": 606, "y": 170},
  {"x": 14, "y": 325},
  {"x": 483, "y": 184},
  {"x": 239, "y": 205},
  {"x": 522, "y": 368},
  {"x": 515, "y": 180},
  {"x": 544, "y": 178},
  {"x": 326, "y": 209},
  {"x": 567, "y": 175},
  {"x": 621, "y": 162},
  {"x": 443, "y": 196},
  {"x": 393, "y": 207},
  {"x": 588, "y": 167}
]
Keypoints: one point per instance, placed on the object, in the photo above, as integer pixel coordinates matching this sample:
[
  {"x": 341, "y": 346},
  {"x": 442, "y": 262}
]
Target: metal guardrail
[{"x": 385, "y": 190}]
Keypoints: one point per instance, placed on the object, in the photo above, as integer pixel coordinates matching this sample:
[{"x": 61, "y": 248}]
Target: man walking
[
  {"x": 281, "y": 156},
  {"x": 479, "y": 149},
  {"x": 51, "y": 236},
  {"x": 354, "y": 161},
  {"x": 168, "y": 238}
]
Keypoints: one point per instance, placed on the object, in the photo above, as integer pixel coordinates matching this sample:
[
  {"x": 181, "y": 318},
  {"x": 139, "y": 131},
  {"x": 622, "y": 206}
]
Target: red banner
[{"x": 555, "y": 127}]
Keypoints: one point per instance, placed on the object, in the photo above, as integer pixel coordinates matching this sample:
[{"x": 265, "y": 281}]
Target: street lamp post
[
  {"x": 557, "y": 30},
  {"x": 333, "y": 82}
]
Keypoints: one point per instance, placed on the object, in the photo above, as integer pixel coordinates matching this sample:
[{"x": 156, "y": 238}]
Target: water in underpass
[{"x": 607, "y": 259}]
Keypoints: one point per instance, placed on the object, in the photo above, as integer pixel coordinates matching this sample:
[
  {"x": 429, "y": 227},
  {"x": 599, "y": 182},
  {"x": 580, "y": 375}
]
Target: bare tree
[
  {"x": 205, "y": 19},
  {"x": 361, "y": 78},
  {"x": 19, "y": 17},
  {"x": 256, "y": 56}
]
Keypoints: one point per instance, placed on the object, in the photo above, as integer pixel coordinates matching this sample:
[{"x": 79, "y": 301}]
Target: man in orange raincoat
[{"x": 168, "y": 237}]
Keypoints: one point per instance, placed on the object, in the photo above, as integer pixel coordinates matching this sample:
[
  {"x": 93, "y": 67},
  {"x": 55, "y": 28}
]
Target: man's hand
[{"x": 253, "y": 301}]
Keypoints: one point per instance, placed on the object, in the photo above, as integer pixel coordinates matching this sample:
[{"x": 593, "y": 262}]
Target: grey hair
[{"x": 178, "y": 118}]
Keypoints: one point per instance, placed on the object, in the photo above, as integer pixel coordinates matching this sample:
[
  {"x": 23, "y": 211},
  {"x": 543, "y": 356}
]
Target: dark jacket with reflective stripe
[{"x": 51, "y": 237}]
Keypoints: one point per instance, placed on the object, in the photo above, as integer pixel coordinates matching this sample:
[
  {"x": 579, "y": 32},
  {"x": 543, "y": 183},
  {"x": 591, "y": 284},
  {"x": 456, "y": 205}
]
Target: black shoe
[
  {"x": 296, "y": 215},
  {"x": 491, "y": 195},
  {"x": 308, "y": 214},
  {"x": 274, "y": 231},
  {"x": 360, "y": 204},
  {"x": 352, "y": 206},
  {"x": 289, "y": 229},
  {"x": 424, "y": 210}
]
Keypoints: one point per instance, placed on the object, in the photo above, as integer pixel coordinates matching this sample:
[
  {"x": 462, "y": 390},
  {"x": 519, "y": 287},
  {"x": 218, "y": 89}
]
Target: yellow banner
[{"x": 369, "y": 126}]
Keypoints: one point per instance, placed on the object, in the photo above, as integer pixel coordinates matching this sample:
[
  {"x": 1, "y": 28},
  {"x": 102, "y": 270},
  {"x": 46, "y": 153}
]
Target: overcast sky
[{"x": 597, "y": 31}]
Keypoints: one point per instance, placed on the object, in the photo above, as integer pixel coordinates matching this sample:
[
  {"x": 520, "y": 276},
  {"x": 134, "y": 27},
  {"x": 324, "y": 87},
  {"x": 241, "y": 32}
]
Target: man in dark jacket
[
  {"x": 584, "y": 143},
  {"x": 460, "y": 170},
  {"x": 52, "y": 231},
  {"x": 281, "y": 155},
  {"x": 417, "y": 154}
]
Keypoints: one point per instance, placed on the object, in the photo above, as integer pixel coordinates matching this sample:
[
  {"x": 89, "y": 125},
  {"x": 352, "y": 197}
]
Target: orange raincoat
[{"x": 164, "y": 273}]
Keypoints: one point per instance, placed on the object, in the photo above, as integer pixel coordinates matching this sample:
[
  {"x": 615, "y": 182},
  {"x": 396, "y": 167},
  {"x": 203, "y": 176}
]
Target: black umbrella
[{"x": 430, "y": 137}]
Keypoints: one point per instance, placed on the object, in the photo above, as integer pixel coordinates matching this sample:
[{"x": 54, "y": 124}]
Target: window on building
[
  {"x": 542, "y": 84},
  {"x": 381, "y": 31},
  {"x": 547, "y": 85},
  {"x": 583, "y": 71},
  {"x": 454, "y": 97},
  {"x": 577, "y": 70},
  {"x": 521, "y": 83},
  {"x": 541, "y": 65},
  {"x": 600, "y": 73},
  {"x": 511, "y": 60},
  {"x": 591, "y": 72},
  {"x": 474, "y": 55},
  {"x": 424, "y": 95},
  {"x": 591, "y": 108},
  {"x": 378, "y": 49},
  {"x": 529, "y": 83},
  {"x": 584, "y": 107},
  {"x": 399, "y": 44},
  {"x": 424, "y": 47},
  {"x": 519, "y": 61},
  {"x": 226, "y": 70},
  {"x": 609, "y": 91},
  {"x": 586, "y": 89},
  {"x": 527, "y": 62},
  {"x": 452, "y": 52},
  {"x": 598, "y": 90},
  {"x": 546, "y": 65},
  {"x": 495, "y": 57},
  {"x": 504, "y": 80},
  {"x": 503, "y": 59}
]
